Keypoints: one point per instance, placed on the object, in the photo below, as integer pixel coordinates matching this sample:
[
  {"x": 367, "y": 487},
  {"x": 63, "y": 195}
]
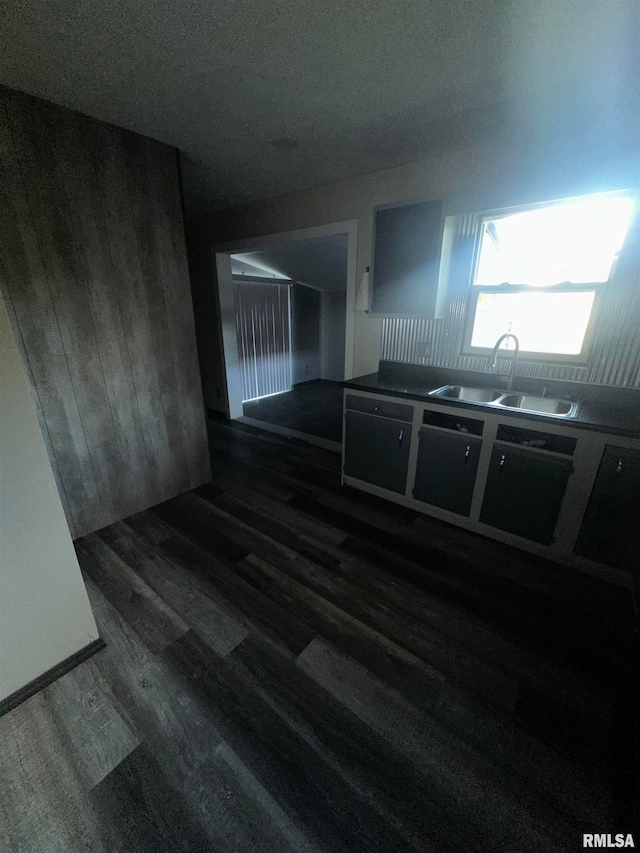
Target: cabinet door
[
  {"x": 376, "y": 450},
  {"x": 524, "y": 492},
  {"x": 610, "y": 531},
  {"x": 446, "y": 470},
  {"x": 406, "y": 260}
]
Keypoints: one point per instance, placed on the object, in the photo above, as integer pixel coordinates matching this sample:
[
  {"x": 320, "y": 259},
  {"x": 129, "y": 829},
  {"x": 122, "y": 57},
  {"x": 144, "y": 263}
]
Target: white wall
[
  {"x": 529, "y": 164},
  {"x": 333, "y": 307},
  {"x": 44, "y": 611}
]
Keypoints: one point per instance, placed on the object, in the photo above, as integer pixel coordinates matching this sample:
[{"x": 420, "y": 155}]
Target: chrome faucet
[{"x": 493, "y": 358}]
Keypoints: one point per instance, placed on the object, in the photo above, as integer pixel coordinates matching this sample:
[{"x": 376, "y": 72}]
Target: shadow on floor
[{"x": 312, "y": 407}]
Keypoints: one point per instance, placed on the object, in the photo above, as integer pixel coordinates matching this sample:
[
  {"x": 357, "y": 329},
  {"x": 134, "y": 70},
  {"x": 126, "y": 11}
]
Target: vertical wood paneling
[
  {"x": 154, "y": 310},
  {"x": 28, "y": 290},
  {"x": 163, "y": 185},
  {"x": 615, "y": 353},
  {"x": 128, "y": 257},
  {"x": 95, "y": 276},
  {"x": 104, "y": 288},
  {"x": 36, "y": 151}
]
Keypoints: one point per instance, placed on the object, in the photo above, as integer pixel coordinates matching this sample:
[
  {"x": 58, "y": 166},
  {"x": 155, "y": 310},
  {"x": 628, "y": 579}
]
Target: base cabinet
[
  {"x": 610, "y": 531},
  {"x": 376, "y": 450},
  {"x": 446, "y": 470},
  {"x": 502, "y": 476},
  {"x": 524, "y": 492}
]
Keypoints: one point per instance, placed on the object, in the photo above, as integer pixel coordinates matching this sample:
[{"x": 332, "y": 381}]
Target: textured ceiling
[
  {"x": 320, "y": 263},
  {"x": 359, "y": 85}
]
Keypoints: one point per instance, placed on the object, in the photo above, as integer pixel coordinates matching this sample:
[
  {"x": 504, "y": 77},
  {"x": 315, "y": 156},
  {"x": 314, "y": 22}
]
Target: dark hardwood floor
[
  {"x": 312, "y": 407},
  {"x": 294, "y": 666}
]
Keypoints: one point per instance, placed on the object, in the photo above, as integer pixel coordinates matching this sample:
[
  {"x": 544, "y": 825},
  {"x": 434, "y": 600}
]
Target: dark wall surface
[{"x": 305, "y": 333}]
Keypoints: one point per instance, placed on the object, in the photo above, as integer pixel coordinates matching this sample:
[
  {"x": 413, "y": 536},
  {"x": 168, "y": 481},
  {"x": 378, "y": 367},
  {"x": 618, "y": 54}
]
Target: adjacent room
[
  {"x": 290, "y": 312},
  {"x": 320, "y": 427}
]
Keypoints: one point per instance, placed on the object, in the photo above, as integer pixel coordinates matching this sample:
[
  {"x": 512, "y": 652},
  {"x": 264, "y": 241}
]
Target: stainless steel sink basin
[
  {"x": 468, "y": 394},
  {"x": 509, "y": 400},
  {"x": 541, "y": 405}
]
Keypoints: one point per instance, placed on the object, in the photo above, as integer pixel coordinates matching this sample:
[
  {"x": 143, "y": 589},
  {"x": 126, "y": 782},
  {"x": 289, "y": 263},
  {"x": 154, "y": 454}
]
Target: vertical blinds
[{"x": 263, "y": 327}]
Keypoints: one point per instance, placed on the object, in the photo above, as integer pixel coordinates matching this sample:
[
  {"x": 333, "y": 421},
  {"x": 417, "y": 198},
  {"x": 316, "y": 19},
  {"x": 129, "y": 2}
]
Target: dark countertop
[{"x": 603, "y": 408}]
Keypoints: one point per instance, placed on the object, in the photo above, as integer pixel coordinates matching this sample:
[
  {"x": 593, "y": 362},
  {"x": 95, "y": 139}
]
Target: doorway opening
[
  {"x": 288, "y": 357},
  {"x": 291, "y": 304}
]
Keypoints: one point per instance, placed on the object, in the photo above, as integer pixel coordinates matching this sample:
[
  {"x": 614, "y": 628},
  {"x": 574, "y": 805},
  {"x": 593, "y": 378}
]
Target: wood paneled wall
[{"x": 94, "y": 274}]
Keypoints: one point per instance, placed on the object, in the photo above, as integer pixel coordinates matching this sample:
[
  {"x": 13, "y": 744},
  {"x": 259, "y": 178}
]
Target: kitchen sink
[
  {"x": 541, "y": 405},
  {"x": 509, "y": 400},
  {"x": 468, "y": 394}
]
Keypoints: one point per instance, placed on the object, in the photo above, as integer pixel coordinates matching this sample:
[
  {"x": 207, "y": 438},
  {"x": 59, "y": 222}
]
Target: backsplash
[{"x": 615, "y": 352}]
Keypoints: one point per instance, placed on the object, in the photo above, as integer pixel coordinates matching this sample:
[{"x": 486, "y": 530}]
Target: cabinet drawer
[
  {"x": 534, "y": 438},
  {"x": 455, "y": 423},
  {"x": 383, "y": 409}
]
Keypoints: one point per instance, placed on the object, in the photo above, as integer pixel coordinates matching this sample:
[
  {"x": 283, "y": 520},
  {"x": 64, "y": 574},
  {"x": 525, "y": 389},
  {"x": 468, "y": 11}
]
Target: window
[{"x": 538, "y": 273}]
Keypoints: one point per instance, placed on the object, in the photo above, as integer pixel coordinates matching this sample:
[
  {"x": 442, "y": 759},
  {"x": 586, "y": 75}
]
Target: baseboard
[{"x": 50, "y": 676}]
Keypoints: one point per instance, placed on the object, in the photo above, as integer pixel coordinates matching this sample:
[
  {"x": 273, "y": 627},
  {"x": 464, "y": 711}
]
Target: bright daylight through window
[{"x": 539, "y": 269}]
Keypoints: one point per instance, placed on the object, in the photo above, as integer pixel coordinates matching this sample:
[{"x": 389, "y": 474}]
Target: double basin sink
[{"x": 509, "y": 400}]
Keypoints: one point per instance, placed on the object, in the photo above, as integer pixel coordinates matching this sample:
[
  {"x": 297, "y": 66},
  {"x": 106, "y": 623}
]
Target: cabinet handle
[
  {"x": 400, "y": 437},
  {"x": 501, "y": 466},
  {"x": 466, "y": 454},
  {"x": 619, "y": 468},
  {"x": 376, "y": 408}
]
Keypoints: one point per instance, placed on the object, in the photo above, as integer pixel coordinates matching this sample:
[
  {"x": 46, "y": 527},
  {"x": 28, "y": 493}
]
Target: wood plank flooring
[
  {"x": 314, "y": 408},
  {"x": 295, "y": 666}
]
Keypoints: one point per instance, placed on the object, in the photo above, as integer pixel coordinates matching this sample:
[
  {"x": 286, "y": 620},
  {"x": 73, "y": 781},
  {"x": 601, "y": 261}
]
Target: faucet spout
[{"x": 493, "y": 358}]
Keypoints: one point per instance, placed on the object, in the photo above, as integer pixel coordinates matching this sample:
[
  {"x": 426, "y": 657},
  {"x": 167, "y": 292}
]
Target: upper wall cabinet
[{"x": 406, "y": 262}]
